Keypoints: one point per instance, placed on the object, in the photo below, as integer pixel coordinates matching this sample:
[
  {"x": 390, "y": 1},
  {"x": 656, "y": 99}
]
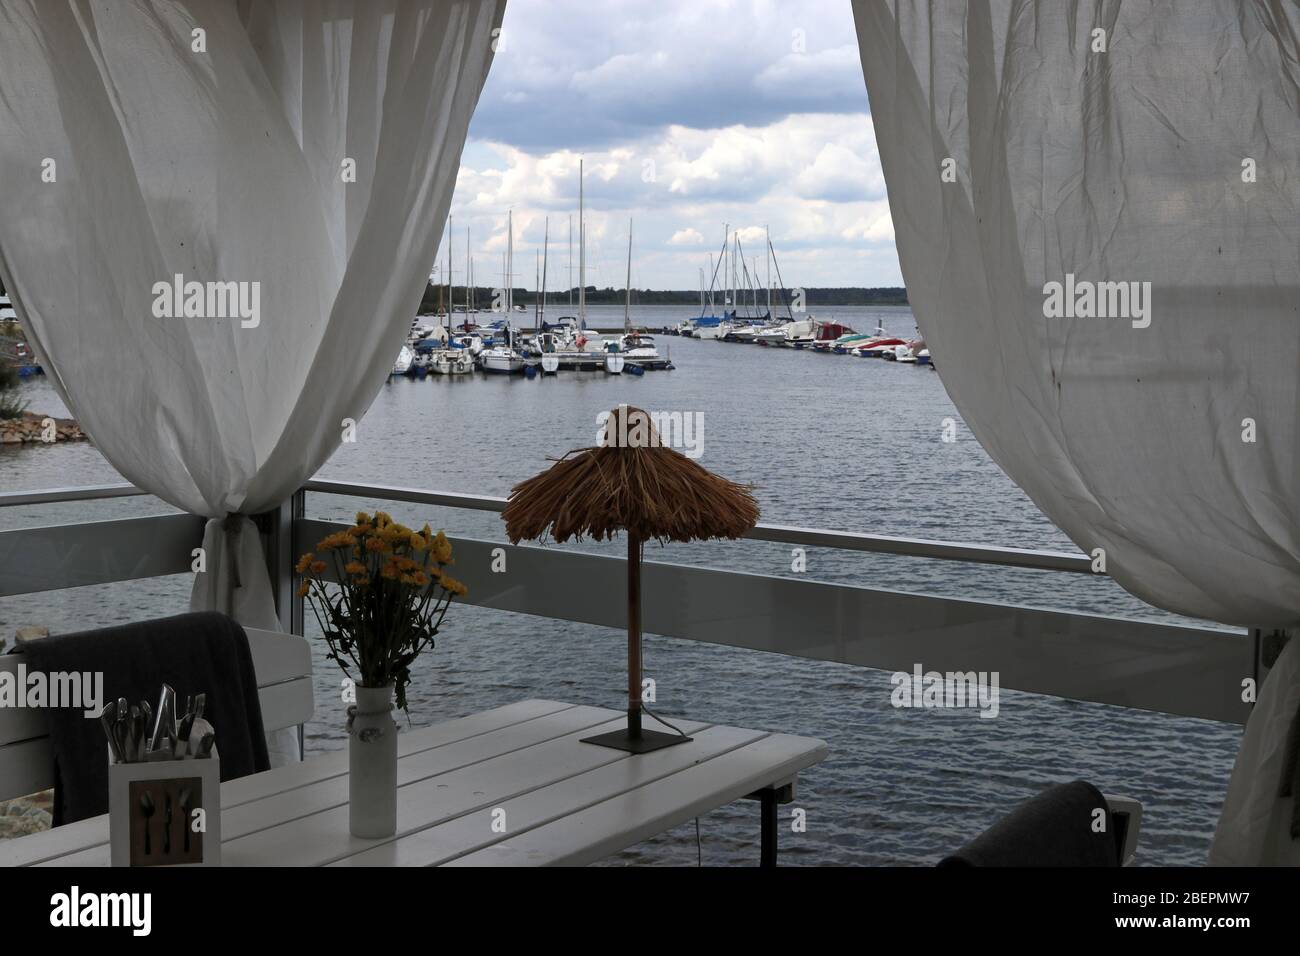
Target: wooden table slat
[{"x": 623, "y": 821}]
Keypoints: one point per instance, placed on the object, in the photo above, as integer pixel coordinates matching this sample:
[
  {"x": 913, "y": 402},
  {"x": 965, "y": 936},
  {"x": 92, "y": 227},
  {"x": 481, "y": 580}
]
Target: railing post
[{"x": 282, "y": 549}]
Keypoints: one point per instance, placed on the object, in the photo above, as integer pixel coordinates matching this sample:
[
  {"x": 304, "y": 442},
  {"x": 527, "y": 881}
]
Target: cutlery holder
[{"x": 152, "y": 812}]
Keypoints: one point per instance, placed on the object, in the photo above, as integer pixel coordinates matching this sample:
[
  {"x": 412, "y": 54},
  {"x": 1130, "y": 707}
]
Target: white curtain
[
  {"x": 215, "y": 140},
  {"x": 1086, "y": 143}
]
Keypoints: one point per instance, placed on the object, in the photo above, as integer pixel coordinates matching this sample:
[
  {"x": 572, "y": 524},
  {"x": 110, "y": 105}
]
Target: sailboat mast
[
  {"x": 582, "y": 254},
  {"x": 570, "y": 262},
  {"x": 450, "y": 299},
  {"x": 768, "y": 253},
  {"x": 469, "y": 277},
  {"x": 713, "y": 273},
  {"x": 546, "y": 248},
  {"x": 537, "y": 288},
  {"x": 725, "y": 265},
  {"x": 510, "y": 262},
  {"x": 627, "y": 303}
]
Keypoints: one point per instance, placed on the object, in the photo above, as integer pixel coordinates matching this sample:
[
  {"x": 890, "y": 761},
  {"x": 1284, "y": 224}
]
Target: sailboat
[
  {"x": 711, "y": 326},
  {"x": 502, "y": 358},
  {"x": 546, "y": 341},
  {"x": 582, "y": 349},
  {"x": 614, "y": 361}
]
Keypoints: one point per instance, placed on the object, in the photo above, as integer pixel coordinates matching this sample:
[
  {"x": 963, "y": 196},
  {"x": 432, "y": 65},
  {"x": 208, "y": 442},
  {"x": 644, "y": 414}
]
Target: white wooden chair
[{"x": 282, "y": 663}]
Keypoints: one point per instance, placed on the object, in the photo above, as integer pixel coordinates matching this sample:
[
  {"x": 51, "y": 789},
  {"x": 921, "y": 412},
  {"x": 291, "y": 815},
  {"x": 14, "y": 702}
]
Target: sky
[{"x": 688, "y": 115}]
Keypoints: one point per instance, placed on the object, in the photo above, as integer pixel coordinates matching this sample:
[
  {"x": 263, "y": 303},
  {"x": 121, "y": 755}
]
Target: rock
[
  {"x": 31, "y": 428},
  {"x": 29, "y": 633}
]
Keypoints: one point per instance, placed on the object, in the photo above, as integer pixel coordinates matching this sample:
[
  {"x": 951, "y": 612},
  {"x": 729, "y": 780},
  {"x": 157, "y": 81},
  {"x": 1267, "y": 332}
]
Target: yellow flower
[
  {"x": 304, "y": 589},
  {"x": 441, "y": 549},
  {"x": 363, "y": 518},
  {"x": 376, "y": 544},
  {"x": 390, "y": 572},
  {"x": 417, "y": 542},
  {"x": 356, "y": 567},
  {"x": 420, "y": 579},
  {"x": 317, "y": 567},
  {"x": 340, "y": 539},
  {"x": 382, "y": 519},
  {"x": 304, "y": 562},
  {"x": 454, "y": 586}
]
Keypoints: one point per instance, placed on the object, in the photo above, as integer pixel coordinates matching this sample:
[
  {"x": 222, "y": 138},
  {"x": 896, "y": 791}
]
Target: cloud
[
  {"x": 687, "y": 116},
  {"x": 593, "y": 75},
  {"x": 814, "y": 179}
]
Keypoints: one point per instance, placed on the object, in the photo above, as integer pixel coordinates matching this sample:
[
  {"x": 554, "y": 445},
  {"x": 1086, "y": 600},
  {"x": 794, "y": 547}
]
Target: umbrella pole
[
  {"x": 633, "y": 739},
  {"x": 633, "y": 637}
]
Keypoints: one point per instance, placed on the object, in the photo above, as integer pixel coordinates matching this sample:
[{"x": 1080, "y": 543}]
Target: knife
[{"x": 165, "y": 727}]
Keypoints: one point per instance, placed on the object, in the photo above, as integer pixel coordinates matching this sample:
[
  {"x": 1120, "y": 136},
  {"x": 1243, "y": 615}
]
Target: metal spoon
[
  {"x": 122, "y": 715},
  {"x": 107, "y": 721},
  {"x": 135, "y": 731}
]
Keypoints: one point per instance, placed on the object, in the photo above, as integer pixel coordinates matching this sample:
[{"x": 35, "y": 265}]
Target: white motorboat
[
  {"x": 501, "y": 360},
  {"x": 472, "y": 343},
  {"x": 614, "y": 363},
  {"x": 638, "y": 348},
  {"x": 405, "y": 359},
  {"x": 787, "y": 333},
  {"x": 451, "y": 362},
  {"x": 744, "y": 334}
]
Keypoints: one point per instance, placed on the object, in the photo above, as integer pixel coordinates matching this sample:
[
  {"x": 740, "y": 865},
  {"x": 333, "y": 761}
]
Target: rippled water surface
[{"x": 828, "y": 441}]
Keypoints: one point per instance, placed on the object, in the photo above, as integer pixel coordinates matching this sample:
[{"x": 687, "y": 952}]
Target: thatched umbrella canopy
[{"x": 633, "y": 483}]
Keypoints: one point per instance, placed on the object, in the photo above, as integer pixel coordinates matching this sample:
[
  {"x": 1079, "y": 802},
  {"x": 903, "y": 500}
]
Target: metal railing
[{"x": 1173, "y": 669}]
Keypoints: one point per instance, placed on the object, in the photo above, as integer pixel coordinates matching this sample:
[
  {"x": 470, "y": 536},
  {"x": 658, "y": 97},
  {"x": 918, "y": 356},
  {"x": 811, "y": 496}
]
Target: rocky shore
[{"x": 31, "y": 428}]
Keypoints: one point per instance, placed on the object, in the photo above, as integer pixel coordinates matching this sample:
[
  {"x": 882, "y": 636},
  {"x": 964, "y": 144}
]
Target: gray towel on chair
[
  {"x": 203, "y": 653},
  {"x": 1054, "y": 828}
]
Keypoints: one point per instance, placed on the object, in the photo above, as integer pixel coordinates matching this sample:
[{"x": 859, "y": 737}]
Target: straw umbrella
[{"x": 630, "y": 482}]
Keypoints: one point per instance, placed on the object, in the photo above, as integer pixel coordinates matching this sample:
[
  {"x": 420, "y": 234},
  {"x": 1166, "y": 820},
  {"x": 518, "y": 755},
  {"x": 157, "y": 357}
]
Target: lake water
[{"x": 828, "y": 441}]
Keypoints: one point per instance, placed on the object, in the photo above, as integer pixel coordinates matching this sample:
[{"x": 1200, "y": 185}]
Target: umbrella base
[{"x": 644, "y": 742}]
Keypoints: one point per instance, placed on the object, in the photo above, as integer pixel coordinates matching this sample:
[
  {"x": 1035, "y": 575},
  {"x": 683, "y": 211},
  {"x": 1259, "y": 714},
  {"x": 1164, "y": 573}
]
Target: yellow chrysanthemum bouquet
[{"x": 392, "y": 593}]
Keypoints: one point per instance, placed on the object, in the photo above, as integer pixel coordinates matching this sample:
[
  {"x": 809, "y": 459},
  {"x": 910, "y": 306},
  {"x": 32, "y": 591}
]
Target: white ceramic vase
[{"x": 372, "y": 764}]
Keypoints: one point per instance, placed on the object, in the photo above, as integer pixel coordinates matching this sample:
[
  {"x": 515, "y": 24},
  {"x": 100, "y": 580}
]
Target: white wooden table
[{"x": 564, "y": 802}]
